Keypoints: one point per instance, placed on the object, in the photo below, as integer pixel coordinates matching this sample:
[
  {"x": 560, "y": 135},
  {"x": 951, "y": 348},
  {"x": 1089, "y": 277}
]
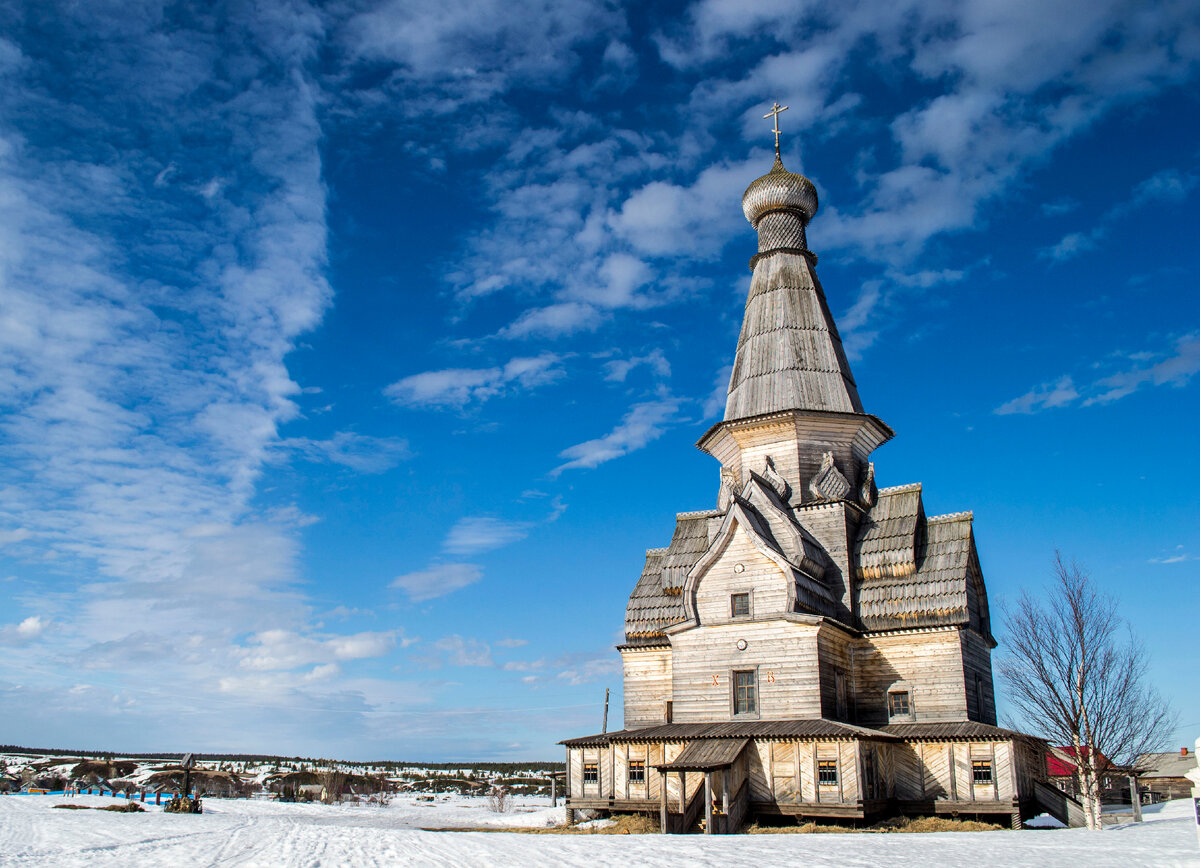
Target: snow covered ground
[{"x": 260, "y": 832}]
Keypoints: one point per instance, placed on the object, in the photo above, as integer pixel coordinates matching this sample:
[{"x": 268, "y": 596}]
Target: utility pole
[{"x": 604, "y": 728}]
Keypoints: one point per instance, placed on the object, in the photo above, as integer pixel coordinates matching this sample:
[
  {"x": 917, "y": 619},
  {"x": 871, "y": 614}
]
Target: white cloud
[
  {"x": 618, "y": 369},
  {"x": 554, "y": 321},
  {"x": 1153, "y": 369},
  {"x": 457, "y": 387},
  {"x": 496, "y": 43},
  {"x": 1059, "y": 393},
  {"x": 483, "y": 533},
  {"x": 357, "y": 451},
  {"x": 15, "y": 535},
  {"x": 464, "y": 652},
  {"x": 273, "y": 650},
  {"x": 714, "y": 404},
  {"x": 1175, "y": 370},
  {"x": 1012, "y": 84},
  {"x": 589, "y": 671},
  {"x": 643, "y": 423},
  {"x": 1073, "y": 244},
  {"x": 437, "y": 580},
  {"x": 1168, "y": 185},
  {"x": 26, "y": 631}
]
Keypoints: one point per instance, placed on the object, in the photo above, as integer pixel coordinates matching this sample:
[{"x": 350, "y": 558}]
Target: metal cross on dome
[{"x": 775, "y": 110}]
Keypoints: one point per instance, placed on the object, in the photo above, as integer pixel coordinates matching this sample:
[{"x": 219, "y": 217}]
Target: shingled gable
[
  {"x": 888, "y": 538},
  {"x": 688, "y": 543},
  {"x": 945, "y": 588}
]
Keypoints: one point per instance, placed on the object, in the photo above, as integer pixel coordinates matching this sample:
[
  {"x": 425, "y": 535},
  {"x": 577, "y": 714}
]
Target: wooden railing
[
  {"x": 1058, "y": 804},
  {"x": 681, "y": 824},
  {"x": 739, "y": 805}
]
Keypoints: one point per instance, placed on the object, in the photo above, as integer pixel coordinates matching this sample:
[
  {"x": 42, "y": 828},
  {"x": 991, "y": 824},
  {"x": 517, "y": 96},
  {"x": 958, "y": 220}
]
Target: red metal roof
[{"x": 1058, "y": 768}]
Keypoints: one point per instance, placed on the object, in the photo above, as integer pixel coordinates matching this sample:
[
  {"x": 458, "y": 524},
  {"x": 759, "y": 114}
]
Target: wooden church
[{"x": 814, "y": 646}]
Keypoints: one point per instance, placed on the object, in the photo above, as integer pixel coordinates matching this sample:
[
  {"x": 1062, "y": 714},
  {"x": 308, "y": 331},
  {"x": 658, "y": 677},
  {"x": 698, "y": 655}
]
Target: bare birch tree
[{"x": 1076, "y": 675}]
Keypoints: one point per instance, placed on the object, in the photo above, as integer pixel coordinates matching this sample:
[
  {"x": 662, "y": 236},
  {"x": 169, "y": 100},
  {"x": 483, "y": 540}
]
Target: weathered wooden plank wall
[
  {"x": 647, "y": 685},
  {"x": 784, "y": 653},
  {"x": 929, "y": 660},
  {"x": 760, "y": 577}
]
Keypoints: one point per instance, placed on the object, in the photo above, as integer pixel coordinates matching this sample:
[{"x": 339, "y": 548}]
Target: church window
[
  {"x": 827, "y": 773},
  {"x": 744, "y": 698},
  {"x": 898, "y": 703},
  {"x": 740, "y": 605},
  {"x": 981, "y": 771},
  {"x": 979, "y": 693},
  {"x": 637, "y": 771},
  {"x": 669, "y": 712},
  {"x": 841, "y": 695},
  {"x": 591, "y": 773}
]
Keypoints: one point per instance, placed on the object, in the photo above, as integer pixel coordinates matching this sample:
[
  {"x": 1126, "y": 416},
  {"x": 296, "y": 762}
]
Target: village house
[
  {"x": 1062, "y": 770},
  {"x": 813, "y": 646},
  {"x": 1163, "y": 776}
]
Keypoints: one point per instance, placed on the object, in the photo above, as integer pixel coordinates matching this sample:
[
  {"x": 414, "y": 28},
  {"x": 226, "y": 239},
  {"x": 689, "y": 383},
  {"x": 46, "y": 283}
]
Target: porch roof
[{"x": 706, "y": 754}]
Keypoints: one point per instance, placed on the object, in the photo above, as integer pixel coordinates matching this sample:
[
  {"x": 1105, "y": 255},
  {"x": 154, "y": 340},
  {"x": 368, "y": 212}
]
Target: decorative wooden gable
[{"x": 762, "y": 521}]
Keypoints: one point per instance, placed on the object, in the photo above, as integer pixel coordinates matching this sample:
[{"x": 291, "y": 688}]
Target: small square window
[
  {"x": 981, "y": 771},
  {"x": 740, "y": 605},
  {"x": 637, "y": 771},
  {"x": 898, "y": 703},
  {"x": 827, "y": 773},
  {"x": 591, "y": 773},
  {"x": 744, "y": 698}
]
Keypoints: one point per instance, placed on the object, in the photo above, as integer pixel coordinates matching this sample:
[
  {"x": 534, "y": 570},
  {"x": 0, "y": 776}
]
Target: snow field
[{"x": 254, "y": 832}]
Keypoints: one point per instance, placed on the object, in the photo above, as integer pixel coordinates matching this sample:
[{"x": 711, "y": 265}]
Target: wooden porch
[{"x": 723, "y": 764}]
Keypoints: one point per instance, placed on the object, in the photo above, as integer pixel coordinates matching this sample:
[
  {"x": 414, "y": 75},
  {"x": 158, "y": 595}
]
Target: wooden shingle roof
[
  {"x": 689, "y": 542},
  {"x": 650, "y": 608},
  {"x": 789, "y": 354},
  {"x": 937, "y": 592},
  {"x": 887, "y": 540}
]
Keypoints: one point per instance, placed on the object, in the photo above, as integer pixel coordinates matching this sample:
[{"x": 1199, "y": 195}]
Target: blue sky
[{"x": 351, "y": 355}]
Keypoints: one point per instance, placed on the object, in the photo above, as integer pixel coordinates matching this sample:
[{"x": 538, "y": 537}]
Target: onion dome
[{"x": 779, "y": 190}]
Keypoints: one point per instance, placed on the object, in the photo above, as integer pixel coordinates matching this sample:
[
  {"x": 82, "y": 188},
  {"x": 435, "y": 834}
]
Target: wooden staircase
[{"x": 1058, "y": 804}]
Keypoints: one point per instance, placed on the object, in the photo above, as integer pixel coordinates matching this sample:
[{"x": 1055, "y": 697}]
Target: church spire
[{"x": 789, "y": 354}]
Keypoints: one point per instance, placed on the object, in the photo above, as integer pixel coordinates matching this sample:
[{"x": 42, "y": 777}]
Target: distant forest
[{"x": 262, "y": 759}]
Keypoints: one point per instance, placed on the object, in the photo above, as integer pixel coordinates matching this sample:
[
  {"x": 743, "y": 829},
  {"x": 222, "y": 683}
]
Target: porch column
[
  {"x": 725, "y": 793},
  {"x": 683, "y": 795},
  {"x": 708, "y": 817},
  {"x": 662, "y": 800}
]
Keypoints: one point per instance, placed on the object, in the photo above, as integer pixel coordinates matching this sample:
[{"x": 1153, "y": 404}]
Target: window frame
[
  {"x": 595, "y": 767},
  {"x": 754, "y": 712},
  {"x": 978, "y": 765},
  {"x": 733, "y": 612},
  {"x": 893, "y": 696},
  {"x": 637, "y": 771},
  {"x": 824, "y": 767}
]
